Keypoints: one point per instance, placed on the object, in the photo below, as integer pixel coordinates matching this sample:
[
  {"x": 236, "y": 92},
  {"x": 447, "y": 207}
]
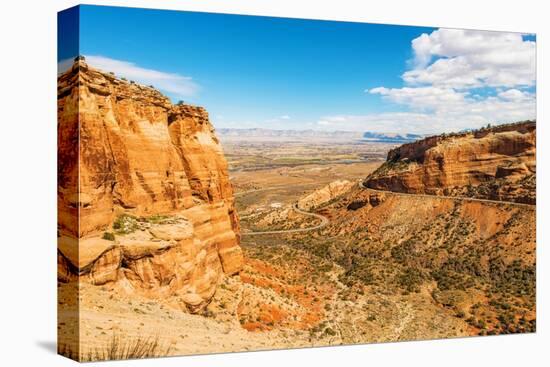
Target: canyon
[{"x": 290, "y": 244}]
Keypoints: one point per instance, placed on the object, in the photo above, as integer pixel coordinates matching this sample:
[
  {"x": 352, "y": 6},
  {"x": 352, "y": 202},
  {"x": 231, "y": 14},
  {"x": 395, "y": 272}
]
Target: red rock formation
[
  {"x": 325, "y": 194},
  {"x": 445, "y": 164},
  {"x": 124, "y": 148}
]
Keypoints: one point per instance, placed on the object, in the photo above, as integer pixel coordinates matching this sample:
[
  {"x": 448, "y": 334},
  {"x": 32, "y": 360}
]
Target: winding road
[
  {"x": 324, "y": 220},
  {"x": 462, "y": 198}
]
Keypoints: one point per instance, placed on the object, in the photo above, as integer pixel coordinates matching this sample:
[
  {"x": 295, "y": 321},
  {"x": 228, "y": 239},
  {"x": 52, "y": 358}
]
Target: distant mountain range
[
  {"x": 304, "y": 134},
  {"x": 391, "y": 137},
  {"x": 267, "y": 133}
]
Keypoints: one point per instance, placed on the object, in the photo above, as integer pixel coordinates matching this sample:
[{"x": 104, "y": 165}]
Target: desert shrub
[
  {"x": 514, "y": 278},
  {"x": 208, "y": 313},
  {"x": 470, "y": 265},
  {"x": 404, "y": 251},
  {"x": 118, "y": 349},
  {"x": 355, "y": 205},
  {"x": 358, "y": 268},
  {"x": 447, "y": 279},
  {"x": 125, "y": 224},
  {"x": 395, "y": 165},
  {"x": 109, "y": 236},
  {"x": 411, "y": 279},
  {"x": 325, "y": 268}
]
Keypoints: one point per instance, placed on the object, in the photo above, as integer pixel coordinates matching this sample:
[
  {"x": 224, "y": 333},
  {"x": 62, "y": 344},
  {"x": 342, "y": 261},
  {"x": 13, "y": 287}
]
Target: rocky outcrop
[
  {"x": 124, "y": 149},
  {"x": 447, "y": 164},
  {"x": 324, "y": 195}
]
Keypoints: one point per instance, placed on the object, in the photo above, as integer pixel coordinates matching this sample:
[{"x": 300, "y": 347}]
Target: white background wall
[{"x": 28, "y": 181}]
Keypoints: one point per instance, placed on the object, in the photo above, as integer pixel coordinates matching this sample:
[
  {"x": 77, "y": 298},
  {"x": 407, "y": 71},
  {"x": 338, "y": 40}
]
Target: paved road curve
[
  {"x": 463, "y": 198},
  {"x": 324, "y": 222}
]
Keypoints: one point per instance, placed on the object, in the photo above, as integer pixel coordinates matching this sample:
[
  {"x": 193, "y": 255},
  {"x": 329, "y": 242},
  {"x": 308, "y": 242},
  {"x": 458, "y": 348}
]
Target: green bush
[
  {"x": 404, "y": 251},
  {"x": 411, "y": 279},
  {"x": 109, "y": 236},
  {"x": 125, "y": 224}
]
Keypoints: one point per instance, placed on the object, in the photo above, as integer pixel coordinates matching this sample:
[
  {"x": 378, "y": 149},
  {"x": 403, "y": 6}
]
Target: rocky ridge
[
  {"x": 324, "y": 194},
  {"x": 144, "y": 195},
  {"x": 492, "y": 163}
]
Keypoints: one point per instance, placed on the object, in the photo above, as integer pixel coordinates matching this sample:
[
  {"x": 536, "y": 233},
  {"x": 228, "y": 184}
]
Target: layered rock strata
[
  {"x": 488, "y": 163},
  {"x": 325, "y": 194},
  {"x": 125, "y": 150}
]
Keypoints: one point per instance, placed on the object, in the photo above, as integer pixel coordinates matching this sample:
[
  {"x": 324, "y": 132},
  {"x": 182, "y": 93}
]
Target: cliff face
[
  {"x": 126, "y": 155},
  {"x": 325, "y": 194},
  {"x": 490, "y": 163}
]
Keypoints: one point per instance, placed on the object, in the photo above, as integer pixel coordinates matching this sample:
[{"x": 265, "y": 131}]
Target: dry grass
[{"x": 119, "y": 348}]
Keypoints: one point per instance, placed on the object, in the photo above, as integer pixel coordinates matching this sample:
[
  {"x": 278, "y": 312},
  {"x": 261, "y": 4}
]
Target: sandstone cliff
[
  {"x": 325, "y": 194},
  {"x": 495, "y": 163},
  {"x": 144, "y": 194}
]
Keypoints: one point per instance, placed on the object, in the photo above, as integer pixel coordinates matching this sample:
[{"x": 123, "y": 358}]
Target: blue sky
[{"x": 292, "y": 73}]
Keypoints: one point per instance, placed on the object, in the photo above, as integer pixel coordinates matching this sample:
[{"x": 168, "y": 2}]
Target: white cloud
[
  {"x": 469, "y": 59},
  {"x": 278, "y": 119},
  {"x": 182, "y": 86},
  {"x": 422, "y": 98},
  {"x": 515, "y": 95},
  {"x": 447, "y": 113},
  {"x": 397, "y": 122},
  {"x": 439, "y": 91}
]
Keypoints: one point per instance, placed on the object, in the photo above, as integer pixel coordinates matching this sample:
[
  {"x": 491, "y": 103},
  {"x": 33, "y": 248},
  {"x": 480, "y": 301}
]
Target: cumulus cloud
[
  {"x": 460, "y": 79},
  {"x": 179, "y": 85},
  {"x": 442, "y": 111},
  {"x": 460, "y": 58},
  {"x": 392, "y": 122},
  {"x": 422, "y": 98},
  {"x": 515, "y": 95}
]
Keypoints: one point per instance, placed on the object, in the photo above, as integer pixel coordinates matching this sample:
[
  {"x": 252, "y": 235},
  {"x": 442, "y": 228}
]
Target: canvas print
[{"x": 233, "y": 183}]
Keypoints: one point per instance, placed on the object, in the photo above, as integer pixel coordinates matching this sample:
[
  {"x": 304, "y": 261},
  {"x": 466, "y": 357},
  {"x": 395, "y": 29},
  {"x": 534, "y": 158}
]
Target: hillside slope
[{"x": 474, "y": 260}]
